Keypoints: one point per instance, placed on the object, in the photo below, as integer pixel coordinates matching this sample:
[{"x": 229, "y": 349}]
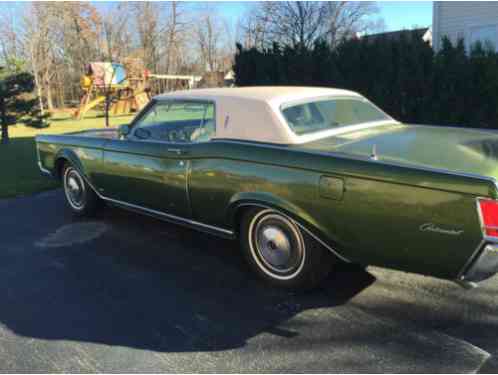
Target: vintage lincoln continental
[{"x": 305, "y": 178}]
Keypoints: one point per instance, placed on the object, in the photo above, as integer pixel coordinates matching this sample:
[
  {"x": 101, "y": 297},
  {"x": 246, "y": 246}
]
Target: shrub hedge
[{"x": 403, "y": 76}]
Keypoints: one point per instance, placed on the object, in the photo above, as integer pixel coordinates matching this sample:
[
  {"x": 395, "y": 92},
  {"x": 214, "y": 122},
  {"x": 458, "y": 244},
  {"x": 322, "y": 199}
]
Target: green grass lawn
[{"x": 19, "y": 173}]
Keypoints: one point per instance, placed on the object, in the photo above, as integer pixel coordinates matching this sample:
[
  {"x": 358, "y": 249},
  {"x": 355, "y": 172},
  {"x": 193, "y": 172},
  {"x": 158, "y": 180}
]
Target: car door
[{"x": 149, "y": 167}]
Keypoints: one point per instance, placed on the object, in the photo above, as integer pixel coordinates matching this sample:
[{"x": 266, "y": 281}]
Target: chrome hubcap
[
  {"x": 277, "y": 245},
  {"x": 274, "y": 246},
  {"x": 73, "y": 185},
  {"x": 75, "y": 189}
]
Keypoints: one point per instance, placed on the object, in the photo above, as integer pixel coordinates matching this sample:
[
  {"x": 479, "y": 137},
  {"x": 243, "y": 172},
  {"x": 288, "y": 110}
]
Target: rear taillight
[{"x": 489, "y": 216}]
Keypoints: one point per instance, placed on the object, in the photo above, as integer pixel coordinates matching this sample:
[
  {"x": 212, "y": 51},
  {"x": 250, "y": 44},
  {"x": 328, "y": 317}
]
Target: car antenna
[{"x": 373, "y": 155}]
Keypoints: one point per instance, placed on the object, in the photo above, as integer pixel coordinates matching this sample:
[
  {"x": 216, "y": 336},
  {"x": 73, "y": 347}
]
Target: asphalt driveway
[{"x": 128, "y": 293}]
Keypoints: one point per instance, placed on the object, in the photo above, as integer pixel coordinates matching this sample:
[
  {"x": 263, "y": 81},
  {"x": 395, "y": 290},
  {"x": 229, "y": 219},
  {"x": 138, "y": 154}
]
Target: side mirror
[{"x": 123, "y": 131}]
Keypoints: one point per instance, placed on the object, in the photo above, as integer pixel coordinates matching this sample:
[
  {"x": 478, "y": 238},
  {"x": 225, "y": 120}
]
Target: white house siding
[{"x": 470, "y": 20}]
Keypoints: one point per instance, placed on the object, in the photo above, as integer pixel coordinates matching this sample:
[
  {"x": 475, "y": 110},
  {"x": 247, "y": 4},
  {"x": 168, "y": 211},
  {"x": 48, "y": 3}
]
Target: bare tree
[
  {"x": 214, "y": 38},
  {"x": 147, "y": 17},
  {"x": 175, "y": 32},
  {"x": 228, "y": 47},
  {"x": 116, "y": 39},
  {"x": 60, "y": 39},
  {"x": 113, "y": 28},
  {"x": 297, "y": 23},
  {"x": 35, "y": 68},
  {"x": 293, "y": 23},
  {"x": 40, "y": 43},
  {"x": 253, "y": 29},
  {"x": 10, "y": 37},
  {"x": 346, "y": 19},
  {"x": 81, "y": 26},
  {"x": 208, "y": 33}
]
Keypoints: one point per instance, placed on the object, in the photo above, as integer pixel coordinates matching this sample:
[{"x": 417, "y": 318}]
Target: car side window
[{"x": 177, "y": 121}]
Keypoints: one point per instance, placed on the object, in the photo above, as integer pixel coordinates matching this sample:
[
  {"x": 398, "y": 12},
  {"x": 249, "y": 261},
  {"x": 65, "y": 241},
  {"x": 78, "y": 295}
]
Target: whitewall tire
[
  {"x": 281, "y": 252},
  {"x": 80, "y": 197}
]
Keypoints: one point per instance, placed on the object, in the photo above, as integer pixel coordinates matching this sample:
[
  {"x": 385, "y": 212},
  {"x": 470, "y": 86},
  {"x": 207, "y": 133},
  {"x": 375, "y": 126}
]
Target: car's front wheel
[
  {"x": 80, "y": 197},
  {"x": 281, "y": 252}
]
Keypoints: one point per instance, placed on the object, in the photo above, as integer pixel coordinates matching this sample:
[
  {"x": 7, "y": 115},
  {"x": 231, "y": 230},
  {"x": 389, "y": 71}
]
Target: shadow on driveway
[{"x": 150, "y": 285}]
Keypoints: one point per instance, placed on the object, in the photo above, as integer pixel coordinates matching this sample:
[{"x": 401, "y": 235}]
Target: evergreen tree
[
  {"x": 481, "y": 102},
  {"x": 16, "y": 103}
]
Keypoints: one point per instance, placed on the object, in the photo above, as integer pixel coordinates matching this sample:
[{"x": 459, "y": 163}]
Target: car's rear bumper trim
[{"x": 485, "y": 264}]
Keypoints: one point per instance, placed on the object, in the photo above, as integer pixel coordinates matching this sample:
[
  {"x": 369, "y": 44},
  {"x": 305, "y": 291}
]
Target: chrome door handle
[{"x": 177, "y": 151}]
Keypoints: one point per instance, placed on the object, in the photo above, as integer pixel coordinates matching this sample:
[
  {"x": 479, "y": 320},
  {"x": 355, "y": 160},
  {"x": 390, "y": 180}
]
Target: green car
[{"x": 304, "y": 178}]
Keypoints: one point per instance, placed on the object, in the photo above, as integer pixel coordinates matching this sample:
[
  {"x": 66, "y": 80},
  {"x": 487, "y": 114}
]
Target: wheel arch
[
  {"x": 64, "y": 156},
  {"x": 244, "y": 201}
]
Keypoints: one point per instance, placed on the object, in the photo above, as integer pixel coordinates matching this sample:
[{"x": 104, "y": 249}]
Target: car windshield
[{"x": 324, "y": 114}]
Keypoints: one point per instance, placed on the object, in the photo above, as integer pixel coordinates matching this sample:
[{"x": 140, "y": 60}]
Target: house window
[{"x": 487, "y": 35}]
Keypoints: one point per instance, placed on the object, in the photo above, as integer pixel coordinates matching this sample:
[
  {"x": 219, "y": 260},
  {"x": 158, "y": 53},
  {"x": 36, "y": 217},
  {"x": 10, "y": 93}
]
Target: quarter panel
[{"x": 386, "y": 224}]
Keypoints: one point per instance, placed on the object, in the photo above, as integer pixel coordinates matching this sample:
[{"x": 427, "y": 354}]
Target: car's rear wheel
[
  {"x": 80, "y": 197},
  {"x": 281, "y": 252}
]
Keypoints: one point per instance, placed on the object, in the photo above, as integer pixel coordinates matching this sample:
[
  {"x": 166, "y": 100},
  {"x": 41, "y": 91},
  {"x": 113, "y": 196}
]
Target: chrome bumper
[{"x": 484, "y": 266}]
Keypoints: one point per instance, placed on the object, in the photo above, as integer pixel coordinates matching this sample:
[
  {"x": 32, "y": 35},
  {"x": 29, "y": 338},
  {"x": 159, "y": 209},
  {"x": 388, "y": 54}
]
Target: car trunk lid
[{"x": 461, "y": 150}]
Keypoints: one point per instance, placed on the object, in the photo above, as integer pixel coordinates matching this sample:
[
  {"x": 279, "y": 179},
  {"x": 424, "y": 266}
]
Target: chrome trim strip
[
  {"x": 96, "y": 130},
  {"x": 359, "y": 158},
  {"x": 479, "y": 214},
  {"x": 324, "y": 244},
  {"x": 40, "y": 166},
  {"x": 168, "y": 216},
  {"x": 485, "y": 240},
  {"x": 188, "y": 171},
  {"x": 468, "y": 263},
  {"x": 333, "y": 251},
  {"x": 44, "y": 170},
  {"x": 491, "y": 240},
  {"x": 469, "y": 285}
]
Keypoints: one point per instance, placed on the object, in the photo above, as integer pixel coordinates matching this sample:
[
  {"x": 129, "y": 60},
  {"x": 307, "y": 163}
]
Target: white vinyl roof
[{"x": 253, "y": 113}]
